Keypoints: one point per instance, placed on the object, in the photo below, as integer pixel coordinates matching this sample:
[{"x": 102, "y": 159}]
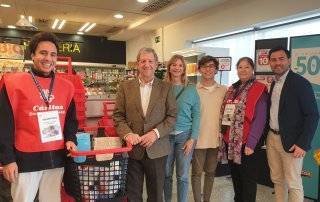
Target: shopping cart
[{"x": 99, "y": 181}]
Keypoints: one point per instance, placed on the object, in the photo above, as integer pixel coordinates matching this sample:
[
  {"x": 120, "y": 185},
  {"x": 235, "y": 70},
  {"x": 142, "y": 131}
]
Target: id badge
[
  {"x": 228, "y": 114},
  {"x": 49, "y": 125}
]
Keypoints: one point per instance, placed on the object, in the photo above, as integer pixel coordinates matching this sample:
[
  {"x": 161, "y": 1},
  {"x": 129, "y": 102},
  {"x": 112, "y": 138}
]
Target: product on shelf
[
  {"x": 101, "y": 80},
  {"x": 191, "y": 69}
]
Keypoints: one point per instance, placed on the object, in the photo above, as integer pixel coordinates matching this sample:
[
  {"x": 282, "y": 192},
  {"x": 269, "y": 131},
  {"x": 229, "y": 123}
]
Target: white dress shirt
[
  {"x": 145, "y": 93},
  {"x": 275, "y": 101}
]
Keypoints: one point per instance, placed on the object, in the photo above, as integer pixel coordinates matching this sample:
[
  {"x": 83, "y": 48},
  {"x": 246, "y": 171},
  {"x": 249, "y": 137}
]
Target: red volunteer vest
[
  {"x": 26, "y": 101},
  {"x": 253, "y": 96}
]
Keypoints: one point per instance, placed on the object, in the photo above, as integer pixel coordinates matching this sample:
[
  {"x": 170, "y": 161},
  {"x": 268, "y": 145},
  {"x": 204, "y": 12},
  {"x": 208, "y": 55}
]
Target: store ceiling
[{"x": 138, "y": 17}]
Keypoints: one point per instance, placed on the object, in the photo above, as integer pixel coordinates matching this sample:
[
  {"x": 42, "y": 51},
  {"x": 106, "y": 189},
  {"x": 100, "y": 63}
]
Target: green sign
[{"x": 305, "y": 60}]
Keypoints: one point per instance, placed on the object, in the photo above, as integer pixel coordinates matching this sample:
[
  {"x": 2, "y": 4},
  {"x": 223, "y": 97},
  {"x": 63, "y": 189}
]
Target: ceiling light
[
  {"x": 55, "y": 23},
  {"x": 80, "y": 33},
  {"x": 142, "y": 1},
  {"x": 118, "y": 16},
  {"x": 29, "y": 18},
  {"x": 248, "y": 29},
  {"x": 84, "y": 26},
  {"x": 90, "y": 27},
  {"x": 12, "y": 26},
  {"x": 5, "y": 5},
  {"x": 61, "y": 24},
  {"x": 25, "y": 24}
]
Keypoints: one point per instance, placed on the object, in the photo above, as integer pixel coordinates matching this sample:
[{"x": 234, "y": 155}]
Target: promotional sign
[
  {"x": 305, "y": 60},
  {"x": 262, "y": 48},
  {"x": 84, "y": 48},
  {"x": 262, "y": 60},
  {"x": 11, "y": 51},
  {"x": 224, "y": 63}
]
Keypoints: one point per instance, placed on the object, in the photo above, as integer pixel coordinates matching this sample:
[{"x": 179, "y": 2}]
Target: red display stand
[{"x": 79, "y": 93}]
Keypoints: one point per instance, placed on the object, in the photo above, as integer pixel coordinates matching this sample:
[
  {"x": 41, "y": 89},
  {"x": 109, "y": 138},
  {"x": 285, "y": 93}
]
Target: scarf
[{"x": 239, "y": 92}]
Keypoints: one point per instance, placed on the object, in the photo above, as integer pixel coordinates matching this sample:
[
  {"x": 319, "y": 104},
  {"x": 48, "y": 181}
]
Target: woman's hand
[
  {"x": 188, "y": 146},
  {"x": 248, "y": 151}
]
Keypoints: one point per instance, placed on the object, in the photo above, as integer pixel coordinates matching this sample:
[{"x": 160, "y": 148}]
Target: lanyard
[{"x": 45, "y": 98}]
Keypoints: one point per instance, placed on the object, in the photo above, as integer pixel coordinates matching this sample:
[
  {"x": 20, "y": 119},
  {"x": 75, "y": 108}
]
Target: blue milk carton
[{"x": 84, "y": 144}]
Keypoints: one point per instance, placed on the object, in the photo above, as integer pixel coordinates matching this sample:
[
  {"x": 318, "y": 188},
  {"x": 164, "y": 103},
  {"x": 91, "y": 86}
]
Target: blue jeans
[{"x": 182, "y": 167}]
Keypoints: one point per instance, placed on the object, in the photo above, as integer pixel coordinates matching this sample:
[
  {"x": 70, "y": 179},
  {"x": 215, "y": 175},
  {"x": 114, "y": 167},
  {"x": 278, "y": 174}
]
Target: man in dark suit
[
  {"x": 145, "y": 113},
  {"x": 292, "y": 124}
]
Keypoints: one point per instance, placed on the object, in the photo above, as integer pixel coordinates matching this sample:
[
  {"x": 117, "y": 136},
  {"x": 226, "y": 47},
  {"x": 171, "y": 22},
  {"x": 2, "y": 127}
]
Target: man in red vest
[{"x": 37, "y": 123}]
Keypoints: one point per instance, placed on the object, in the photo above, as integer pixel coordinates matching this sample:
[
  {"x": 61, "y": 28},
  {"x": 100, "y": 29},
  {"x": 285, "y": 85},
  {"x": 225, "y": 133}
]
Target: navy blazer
[{"x": 298, "y": 113}]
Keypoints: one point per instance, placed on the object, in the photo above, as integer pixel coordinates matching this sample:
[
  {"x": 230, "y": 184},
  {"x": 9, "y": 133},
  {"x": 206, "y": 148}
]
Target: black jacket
[{"x": 298, "y": 113}]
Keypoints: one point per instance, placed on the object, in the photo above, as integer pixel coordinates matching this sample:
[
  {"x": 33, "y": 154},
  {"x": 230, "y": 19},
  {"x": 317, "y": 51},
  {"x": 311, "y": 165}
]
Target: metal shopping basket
[{"x": 99, "y": 181}]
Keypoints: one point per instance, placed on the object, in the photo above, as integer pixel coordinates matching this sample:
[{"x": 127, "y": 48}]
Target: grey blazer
[{"x": 161, "y": 114}]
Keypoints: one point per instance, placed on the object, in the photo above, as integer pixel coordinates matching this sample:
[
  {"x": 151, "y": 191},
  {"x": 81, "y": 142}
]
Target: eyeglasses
[{"x": 211, "y": 66}]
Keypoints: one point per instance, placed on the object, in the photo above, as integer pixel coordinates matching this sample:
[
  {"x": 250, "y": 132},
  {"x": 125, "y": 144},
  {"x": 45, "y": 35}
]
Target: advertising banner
[
  {"x": 305, "y": 60},
  {"x": 262, "y": 48},
  {"x": 11, "y": 51}
]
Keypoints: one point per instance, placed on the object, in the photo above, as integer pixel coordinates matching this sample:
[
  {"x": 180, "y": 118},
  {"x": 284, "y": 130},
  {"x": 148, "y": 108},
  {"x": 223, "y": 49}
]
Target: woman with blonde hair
[{"x": 185, "y": 134}]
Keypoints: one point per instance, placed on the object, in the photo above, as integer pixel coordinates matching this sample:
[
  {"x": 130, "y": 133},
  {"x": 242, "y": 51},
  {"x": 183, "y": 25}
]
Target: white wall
[
  {"x": 145, "y": 40},
  {"x": 229, "y": 16}
]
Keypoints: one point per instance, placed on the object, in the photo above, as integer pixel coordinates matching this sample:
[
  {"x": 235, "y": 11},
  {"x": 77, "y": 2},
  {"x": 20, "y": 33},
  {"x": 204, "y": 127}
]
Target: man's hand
[
  {"x": 297, "y": 151},
  {"x": 133, "y": 138},
  {"x": 248, "y": 151},
  {"x": 71, "y": 146},
  {"x": 10, "y": 172},
  {"x": 187, "y": 147},
  {"x": 148, "y": 139}
]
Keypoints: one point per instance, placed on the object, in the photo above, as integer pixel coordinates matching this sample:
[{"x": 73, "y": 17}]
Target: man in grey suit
[{"x": 145, "y": 113}]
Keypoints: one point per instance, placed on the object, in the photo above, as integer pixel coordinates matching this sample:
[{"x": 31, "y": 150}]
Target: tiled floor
[{"x": 223, "y": 192}]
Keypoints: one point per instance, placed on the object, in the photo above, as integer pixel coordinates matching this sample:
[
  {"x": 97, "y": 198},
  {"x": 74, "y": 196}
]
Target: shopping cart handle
[{"x": 101, "y": 151}]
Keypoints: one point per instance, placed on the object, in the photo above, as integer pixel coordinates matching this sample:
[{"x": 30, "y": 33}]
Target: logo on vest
[
  {"x": 46, "y": 92},
  {"x": 39, "y": 108}
]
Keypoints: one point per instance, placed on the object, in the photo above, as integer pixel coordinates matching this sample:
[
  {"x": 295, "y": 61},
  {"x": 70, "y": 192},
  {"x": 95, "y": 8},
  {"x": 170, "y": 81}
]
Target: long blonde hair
[{"x": 172, "y": 60}]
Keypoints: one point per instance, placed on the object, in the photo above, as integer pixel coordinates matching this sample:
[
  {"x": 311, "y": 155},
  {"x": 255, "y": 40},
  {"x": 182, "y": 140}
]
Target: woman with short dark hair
[{"x": 243, "y": 117}]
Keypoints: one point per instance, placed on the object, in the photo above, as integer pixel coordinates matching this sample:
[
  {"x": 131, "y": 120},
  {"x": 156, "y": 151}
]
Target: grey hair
[{"x": 147, "y": 50}]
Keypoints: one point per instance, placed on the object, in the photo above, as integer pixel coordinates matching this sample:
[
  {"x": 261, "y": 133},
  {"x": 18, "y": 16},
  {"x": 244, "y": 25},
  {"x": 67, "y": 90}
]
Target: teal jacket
[{"x": 188, "y": 109}]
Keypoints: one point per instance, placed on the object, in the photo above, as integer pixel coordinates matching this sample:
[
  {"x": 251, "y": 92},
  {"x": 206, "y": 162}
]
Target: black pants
[
  {"x": 154, "y": 170},
  {"x": 244, "y": 178}
]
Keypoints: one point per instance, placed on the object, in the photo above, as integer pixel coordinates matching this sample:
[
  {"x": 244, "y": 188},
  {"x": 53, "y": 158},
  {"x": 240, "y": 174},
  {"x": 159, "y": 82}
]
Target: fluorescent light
[
  {"x": 61, "y": 24},
  {"x": 55, "y": 23},
  {"x": 5, "y": 5},
  {"x": 289, "y": 20},
  {"x": 80, "y": 33},
  {"x": 84, "y": 26},
  {"x": 225, "y": 34},
  {"x": 118, "y": 16},
  {"x": 90, "y": 27},
  {"x": 12, "y": 26},
  {"x": 142, "y": 1}
]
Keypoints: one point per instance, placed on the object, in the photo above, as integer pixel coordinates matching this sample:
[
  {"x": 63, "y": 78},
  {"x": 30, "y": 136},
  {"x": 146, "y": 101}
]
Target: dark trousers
[
  {"x": 244, "y": 178},
  {"x": 154, "y": 170}
]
